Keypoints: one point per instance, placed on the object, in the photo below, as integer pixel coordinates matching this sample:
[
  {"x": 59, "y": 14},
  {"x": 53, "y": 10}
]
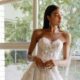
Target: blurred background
[{"x": 18, "y": 19}]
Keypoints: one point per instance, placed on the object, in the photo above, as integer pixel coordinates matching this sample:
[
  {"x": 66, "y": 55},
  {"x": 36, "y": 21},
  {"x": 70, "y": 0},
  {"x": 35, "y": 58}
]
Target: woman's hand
[
  {"x": 38, "y": 62},
  {"x": 49, "y": 64}
]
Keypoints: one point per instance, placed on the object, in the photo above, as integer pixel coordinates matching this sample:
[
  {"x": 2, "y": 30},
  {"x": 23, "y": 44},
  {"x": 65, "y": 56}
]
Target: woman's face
[{"x": 55, "y": 17}]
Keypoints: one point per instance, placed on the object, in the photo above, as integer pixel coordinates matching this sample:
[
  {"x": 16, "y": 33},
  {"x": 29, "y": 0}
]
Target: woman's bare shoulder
[
  {"x": 67, "y": 35},
  {"x": 38, "y": 32}
]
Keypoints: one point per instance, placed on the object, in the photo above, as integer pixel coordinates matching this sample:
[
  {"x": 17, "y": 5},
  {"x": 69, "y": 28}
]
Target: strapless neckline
[
  {"x": 51, "y": 41},
  {"x": 48, "y": 50}
]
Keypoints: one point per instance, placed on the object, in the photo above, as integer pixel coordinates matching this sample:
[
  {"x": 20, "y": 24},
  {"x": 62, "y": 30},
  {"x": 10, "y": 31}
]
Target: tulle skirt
[{"x": 35, "y": 73}]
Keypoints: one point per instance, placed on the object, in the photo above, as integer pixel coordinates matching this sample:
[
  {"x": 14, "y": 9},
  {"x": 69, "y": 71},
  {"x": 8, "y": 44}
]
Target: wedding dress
[{"x": 47, "y": 50}]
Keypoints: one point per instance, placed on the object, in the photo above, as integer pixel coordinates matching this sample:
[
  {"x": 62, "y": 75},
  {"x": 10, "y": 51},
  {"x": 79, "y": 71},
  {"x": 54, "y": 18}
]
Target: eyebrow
[{"x": 56, "y": 13}]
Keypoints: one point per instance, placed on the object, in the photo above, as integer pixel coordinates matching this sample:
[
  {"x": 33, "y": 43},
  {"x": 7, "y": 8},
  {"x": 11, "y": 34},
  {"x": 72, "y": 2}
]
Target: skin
[{"x": 65, "y": 37}]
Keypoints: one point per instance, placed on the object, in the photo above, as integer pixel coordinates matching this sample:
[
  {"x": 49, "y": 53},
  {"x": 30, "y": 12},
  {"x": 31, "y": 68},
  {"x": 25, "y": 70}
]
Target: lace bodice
[{"x": 48, "y": 49}]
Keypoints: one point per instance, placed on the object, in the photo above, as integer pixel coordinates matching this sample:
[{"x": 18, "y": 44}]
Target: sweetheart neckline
[{"x": 50, "y": 40}]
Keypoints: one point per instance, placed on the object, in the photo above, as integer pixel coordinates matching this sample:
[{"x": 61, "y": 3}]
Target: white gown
[{"x": 47, "y": 50}]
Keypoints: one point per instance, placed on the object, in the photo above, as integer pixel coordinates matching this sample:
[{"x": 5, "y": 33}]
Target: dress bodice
[{"x": 48, "y": 49}]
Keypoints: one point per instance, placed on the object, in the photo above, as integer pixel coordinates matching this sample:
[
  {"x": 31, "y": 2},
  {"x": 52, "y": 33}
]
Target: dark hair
[{"x": 48, "y": 12}]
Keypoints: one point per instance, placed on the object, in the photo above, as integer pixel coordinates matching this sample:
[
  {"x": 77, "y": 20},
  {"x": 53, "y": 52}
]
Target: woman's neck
[{"x": 53, "y": 29}]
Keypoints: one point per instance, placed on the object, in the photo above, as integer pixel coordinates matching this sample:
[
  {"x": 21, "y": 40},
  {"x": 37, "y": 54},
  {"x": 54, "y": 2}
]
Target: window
[{"x": 17, "y": 21}]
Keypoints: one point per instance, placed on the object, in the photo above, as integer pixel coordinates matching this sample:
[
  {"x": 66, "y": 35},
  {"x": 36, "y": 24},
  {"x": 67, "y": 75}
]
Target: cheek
[{"x": 55, "y": 19}]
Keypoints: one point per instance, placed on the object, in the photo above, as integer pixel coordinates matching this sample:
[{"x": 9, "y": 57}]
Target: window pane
[
  {"x": 18, "y": 21},
  {"x": 15, "y": 64}
]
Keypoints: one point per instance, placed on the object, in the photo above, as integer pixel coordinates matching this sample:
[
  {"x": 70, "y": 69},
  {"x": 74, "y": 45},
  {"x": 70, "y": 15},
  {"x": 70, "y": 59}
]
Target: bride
[{"x": 51, "y": 41}]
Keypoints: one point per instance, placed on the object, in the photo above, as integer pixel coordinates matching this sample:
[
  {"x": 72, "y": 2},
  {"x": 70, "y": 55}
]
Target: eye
[{"x": 56, "y": 14}]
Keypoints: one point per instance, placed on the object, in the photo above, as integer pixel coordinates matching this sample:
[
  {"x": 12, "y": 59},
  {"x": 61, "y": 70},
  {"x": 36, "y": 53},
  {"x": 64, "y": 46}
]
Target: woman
[{"x": 51, "y": 41}]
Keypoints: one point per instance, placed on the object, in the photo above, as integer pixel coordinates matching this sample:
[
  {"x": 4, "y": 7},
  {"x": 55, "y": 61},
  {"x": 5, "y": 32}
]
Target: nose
[{"x": 59, "y": 18}]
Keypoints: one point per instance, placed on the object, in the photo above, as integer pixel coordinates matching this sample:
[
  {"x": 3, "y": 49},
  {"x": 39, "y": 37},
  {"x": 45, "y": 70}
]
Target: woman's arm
[
  {"x": 66, "y": 50},
  {"x": 36, "y": 34},
  {"x": 32, "y": 45},
  {"x": 33, "y": 42}
]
